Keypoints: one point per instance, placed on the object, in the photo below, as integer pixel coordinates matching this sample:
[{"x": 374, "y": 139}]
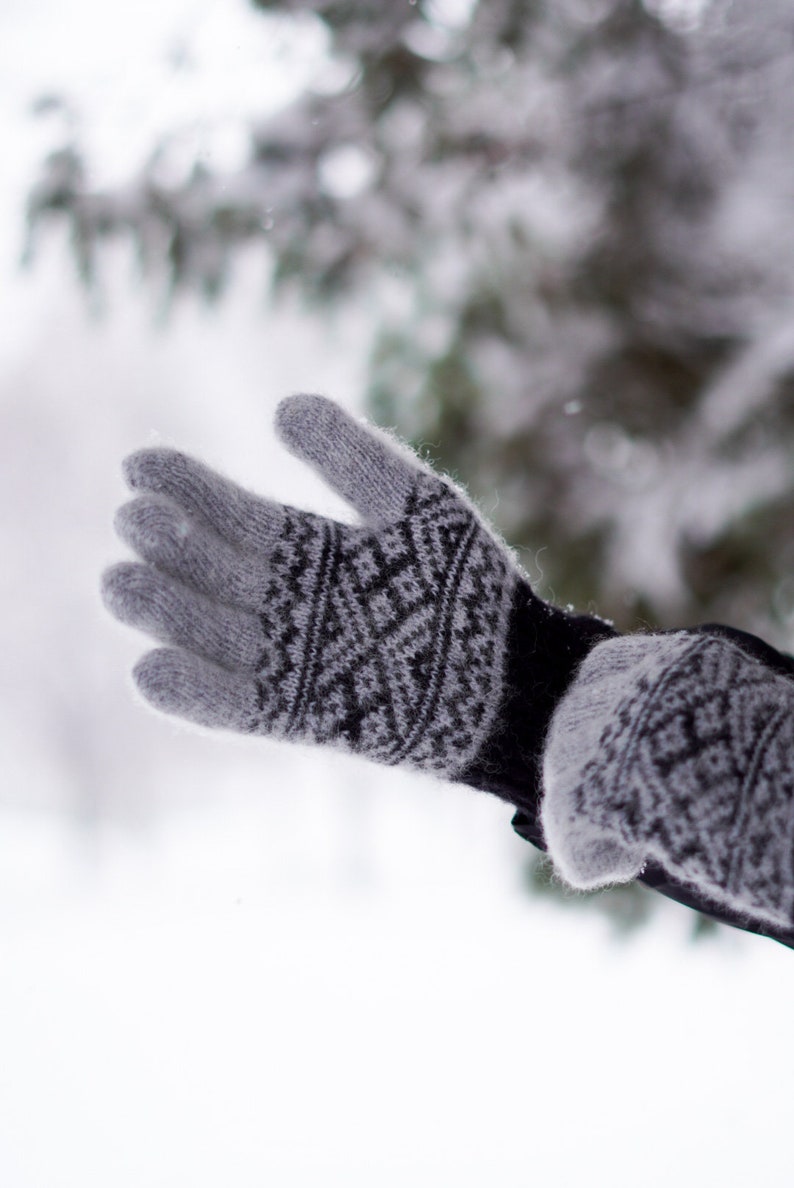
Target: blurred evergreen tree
[{"x": 574, "y": 221}]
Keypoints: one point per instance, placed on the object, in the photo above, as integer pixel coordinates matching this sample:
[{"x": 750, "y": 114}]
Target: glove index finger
[
  {"x": 361, "y": 463},
  {"x": 243, "y": 519}
]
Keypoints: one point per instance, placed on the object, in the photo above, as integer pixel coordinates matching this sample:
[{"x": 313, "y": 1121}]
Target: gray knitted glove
[
  {"x": 679, "y": 750},
  {"x": 386, "y": 638}
]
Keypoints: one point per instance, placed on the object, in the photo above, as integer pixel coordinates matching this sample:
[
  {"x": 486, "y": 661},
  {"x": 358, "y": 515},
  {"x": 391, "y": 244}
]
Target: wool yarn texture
[
  {"x": 676, "y": 748},
  {"x": 387, "y": 638}
]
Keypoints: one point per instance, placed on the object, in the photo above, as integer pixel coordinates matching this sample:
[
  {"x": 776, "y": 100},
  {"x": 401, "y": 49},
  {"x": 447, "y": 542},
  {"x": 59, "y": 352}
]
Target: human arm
[{"x": 413, "y": 637}]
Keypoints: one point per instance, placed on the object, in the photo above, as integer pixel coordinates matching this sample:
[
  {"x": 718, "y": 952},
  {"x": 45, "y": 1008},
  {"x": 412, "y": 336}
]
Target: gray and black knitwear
[
  {"x": 387, "y": 638},
  {"x": 676, "y": 749},
  {"x": 412, "y": 637}
]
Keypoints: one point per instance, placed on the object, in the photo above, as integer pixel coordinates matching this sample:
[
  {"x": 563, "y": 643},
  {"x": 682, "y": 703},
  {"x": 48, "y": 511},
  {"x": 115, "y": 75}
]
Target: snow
[{"x": 184, "y": 1012}]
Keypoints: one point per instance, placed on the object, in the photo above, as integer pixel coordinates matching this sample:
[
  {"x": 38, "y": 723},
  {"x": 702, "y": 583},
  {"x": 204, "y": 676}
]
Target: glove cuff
[
  {"x": 588, "y": 816},
  {"x": 675, "y": 749}
]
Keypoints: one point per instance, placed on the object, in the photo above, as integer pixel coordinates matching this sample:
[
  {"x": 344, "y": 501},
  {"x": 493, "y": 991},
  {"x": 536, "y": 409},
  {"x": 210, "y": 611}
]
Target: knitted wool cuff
[{"x": 678, "y": 750}]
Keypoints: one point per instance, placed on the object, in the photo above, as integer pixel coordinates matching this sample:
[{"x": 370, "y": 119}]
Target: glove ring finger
[{"x": 143, "y": 597}]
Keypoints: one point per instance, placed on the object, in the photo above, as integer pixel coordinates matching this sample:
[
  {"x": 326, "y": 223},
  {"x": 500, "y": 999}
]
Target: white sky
[{"x": 297, "y": 971}]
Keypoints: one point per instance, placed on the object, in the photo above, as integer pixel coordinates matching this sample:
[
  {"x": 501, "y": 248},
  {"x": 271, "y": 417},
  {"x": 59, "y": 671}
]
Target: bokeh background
[{"x": 552, "y": 245}]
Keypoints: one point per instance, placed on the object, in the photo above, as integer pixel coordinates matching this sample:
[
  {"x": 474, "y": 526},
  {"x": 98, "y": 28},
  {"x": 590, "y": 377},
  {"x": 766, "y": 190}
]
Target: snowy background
[{"x": 227, "y": 962}]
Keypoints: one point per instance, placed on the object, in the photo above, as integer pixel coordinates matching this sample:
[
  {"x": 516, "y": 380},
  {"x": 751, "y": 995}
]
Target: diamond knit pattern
[
  {"x": 387, "y": 636},
  {"x": 694, "y": 769},
  {"x": 388, "y": 642}
]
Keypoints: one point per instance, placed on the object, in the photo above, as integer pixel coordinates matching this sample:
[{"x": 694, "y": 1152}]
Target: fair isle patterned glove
[
  {"x": 677, "y": 751},
  {"x": 414, "y": 638},
  {"x": 396, "y": 638}
]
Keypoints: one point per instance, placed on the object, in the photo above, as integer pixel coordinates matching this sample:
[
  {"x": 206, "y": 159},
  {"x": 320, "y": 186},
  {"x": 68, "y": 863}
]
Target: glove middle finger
[
  {"x": 160, "y": 533},
  {"x": 142, "y": 597}
]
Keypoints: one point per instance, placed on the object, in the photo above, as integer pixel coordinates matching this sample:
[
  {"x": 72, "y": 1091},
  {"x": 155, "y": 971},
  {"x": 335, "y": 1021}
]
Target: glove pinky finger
[{"x": 181, "y": 683}]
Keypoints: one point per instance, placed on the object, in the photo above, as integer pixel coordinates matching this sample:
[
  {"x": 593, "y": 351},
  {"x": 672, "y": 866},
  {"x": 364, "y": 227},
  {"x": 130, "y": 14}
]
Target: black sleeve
[{"x": 545, "y": 647}]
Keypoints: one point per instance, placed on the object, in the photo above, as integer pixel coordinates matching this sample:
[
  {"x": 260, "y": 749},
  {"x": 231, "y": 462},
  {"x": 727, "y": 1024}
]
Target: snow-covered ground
[
  {"x": 228, "y": 962},
  {"x": 226, "y": 998}
]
